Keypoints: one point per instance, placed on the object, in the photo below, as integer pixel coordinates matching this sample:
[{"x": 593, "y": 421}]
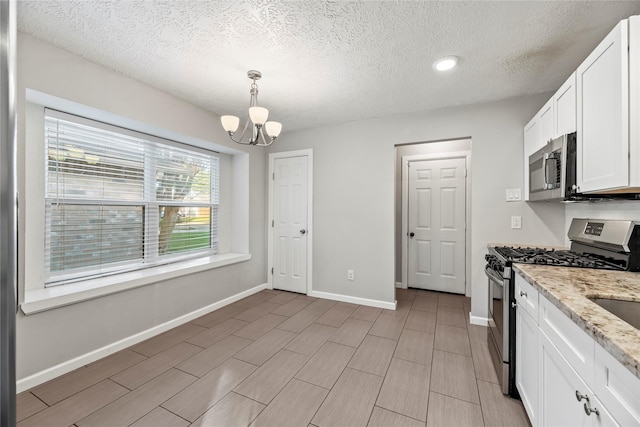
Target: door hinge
[
  {"x": 272, "y": 224},
  {"x": 273, "y": 176},
  {"x": 272, "y": 270}
]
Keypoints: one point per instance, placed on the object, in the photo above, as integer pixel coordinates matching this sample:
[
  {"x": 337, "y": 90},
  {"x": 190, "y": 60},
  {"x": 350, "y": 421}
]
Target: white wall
[
  {"x": 354, "y": 192},
  {"x": 54, "y": 337}
]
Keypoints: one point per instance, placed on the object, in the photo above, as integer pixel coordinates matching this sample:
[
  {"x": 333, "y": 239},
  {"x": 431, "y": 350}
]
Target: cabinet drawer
[
  {"x": 617, "y": 388},
  {"x": 527, "y": 297},
  {"x": 574, "y": 344}
]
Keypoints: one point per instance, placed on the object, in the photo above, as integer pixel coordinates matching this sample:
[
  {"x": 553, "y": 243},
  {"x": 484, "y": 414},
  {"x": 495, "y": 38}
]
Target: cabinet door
[
  {"x": 564, "y": 106},
  {"x": 634, "y": 102},
  {"x": 617, "y": 387},
  {"x": 575, "y": 345},
  {"x": 527, "y": 363},
  {"x": 531, "y": 138},
  {"x": 557, "y": 387},
  {"x": 603, "y": 115},
  {"x": 546, "y": 124}
]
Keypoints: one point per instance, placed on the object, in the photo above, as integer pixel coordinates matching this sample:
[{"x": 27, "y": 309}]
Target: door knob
[
  {"x": 412, "y": 234},
  {"x": 303, "y": 231}
]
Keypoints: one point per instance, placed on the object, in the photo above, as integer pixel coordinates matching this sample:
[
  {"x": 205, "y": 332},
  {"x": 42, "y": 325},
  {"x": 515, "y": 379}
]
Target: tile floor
[{"x": 282, "y": 359}]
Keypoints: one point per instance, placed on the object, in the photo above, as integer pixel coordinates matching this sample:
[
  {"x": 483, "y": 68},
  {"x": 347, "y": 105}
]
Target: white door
[
  {"x": 437, "y": 212},
  {"x": 290, "y": 224}
]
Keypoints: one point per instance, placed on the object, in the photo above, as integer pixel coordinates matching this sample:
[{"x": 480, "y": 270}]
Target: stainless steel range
[{"x": 600, "y": 244}]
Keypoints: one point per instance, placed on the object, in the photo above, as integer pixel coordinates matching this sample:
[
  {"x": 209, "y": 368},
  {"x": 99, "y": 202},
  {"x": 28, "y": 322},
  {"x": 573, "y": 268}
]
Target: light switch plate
[
  {"x": 516, "y": 222},
  {"x": 514, "y": 194}
]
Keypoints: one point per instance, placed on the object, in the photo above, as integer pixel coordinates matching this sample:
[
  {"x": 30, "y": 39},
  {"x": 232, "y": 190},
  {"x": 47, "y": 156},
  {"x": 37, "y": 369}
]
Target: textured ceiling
[{"x": 327, "y": 62}]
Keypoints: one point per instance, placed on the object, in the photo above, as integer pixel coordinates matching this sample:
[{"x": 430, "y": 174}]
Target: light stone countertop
[{"x": 569, "y": 289}]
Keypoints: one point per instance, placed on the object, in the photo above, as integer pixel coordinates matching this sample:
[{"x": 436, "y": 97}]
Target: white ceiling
[{"x": 327, "y": 62}]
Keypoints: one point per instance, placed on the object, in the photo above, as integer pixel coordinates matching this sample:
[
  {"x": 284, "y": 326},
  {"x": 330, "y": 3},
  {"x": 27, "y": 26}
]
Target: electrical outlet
[
  {"x": 516, "y": 222},
  {"x": 350, "y": 275}
]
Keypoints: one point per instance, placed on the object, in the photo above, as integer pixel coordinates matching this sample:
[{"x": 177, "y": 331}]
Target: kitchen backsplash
[{"x": 597, "y": 210}]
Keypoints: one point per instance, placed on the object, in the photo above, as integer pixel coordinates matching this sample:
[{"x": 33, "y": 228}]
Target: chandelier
[{"x": 258, "y": 116}]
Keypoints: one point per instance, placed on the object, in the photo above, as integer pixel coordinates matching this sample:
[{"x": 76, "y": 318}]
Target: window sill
[{"x": 40, "y": 300}]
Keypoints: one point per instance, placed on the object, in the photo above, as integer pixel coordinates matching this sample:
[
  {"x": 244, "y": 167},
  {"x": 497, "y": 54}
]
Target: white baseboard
[
  {"x": 476, "y": 320},
  {"x": 354, "y": 300},
  {"x": 398, "y": 284},
  {"x": 68, "y": 366}
]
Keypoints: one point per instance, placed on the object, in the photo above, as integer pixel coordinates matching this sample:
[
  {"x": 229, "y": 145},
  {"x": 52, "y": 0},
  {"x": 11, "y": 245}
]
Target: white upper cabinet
[
  {"x": 601, "y": 102},
  {"x": 531, "y": 140},
  {"x": 564, "y": 107},
  {"x": 545, "y": 122},
  {"x": 607, "y": 96},
  {"x": 557, "y": 117},
  {"x": 537, "y": 133}
]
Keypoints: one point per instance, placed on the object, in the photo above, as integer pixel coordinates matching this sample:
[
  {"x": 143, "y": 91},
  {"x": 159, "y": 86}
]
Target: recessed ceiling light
[{"x": 446, "y": 63}]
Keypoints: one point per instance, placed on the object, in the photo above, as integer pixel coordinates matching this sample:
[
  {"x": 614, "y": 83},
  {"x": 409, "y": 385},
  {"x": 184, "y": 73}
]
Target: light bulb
[
  {"x": 230, "y": 123},
  {"x": 446, "y": 63},
  {"x": 273, "y": 129},
  {"x": 258, "y": 115}
]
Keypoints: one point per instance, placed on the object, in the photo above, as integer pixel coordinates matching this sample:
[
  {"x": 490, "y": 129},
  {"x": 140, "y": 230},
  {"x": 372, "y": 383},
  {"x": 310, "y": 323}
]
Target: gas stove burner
[
  {"x": 602, "y": 244},
  {"x": 556, "y": 258},
  {"x": 517, "y": 254}
]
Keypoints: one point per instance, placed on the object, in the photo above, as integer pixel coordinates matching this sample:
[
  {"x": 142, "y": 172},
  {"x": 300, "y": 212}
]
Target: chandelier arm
[
  {"x": 264, "y": 141},
  {"x": 239, "y": 140}
]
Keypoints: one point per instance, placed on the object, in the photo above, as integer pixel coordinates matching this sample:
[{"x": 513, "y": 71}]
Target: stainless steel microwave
[
  {"x": 552, "y": 174},
  {"x": 552, "y": 170}
]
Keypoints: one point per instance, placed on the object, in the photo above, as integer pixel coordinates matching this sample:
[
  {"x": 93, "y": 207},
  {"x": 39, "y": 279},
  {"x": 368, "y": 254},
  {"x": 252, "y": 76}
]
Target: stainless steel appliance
[
  {"x": 595, "y": 243},
  {"x": 548, "y": 170},
  {"x": 553, "y": 171}
]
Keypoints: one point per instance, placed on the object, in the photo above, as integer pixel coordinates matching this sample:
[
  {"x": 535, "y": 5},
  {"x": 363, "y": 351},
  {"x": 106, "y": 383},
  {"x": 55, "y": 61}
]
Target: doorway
[
  {"x": 290, "y": 228},
  {"x": 436, "y": 224},
  {"x": 437, "y": 256}
]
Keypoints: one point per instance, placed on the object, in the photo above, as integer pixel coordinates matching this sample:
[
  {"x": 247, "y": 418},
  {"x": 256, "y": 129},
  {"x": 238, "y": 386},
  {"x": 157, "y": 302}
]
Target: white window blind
[{"x": 118, "y": 200}]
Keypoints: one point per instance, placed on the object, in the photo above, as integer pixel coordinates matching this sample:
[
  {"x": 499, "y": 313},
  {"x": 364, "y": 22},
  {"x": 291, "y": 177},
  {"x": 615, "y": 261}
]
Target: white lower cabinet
[
  {"x": 527, "y": 363},
  {"x": 617, "y": 388},
  {"x": 527, "y": 347},
  {"x": 564, "y": 398},
  {"x": 563, "y": 376}
]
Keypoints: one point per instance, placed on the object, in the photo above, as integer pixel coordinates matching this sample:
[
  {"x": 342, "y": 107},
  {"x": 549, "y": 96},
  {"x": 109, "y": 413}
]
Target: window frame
[
  {"x": 236, "y": 165},
  {"x": 150, "y": 204}
]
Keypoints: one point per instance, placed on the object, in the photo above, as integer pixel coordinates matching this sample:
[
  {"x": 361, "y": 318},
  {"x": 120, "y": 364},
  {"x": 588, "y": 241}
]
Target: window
[{"x": 118, "y": 200}]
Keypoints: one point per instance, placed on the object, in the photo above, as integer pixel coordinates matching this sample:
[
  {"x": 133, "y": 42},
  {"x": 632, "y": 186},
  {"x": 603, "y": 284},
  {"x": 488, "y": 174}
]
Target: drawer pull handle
[
  {"x": 523, "y": 294},
  {"x": 582, "y": 396},
  {"x": 588, "y": 410}
]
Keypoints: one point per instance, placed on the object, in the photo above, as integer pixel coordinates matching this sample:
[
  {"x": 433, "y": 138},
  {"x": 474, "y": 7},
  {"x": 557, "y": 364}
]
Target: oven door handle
[{"x": 491, "y": 273}]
